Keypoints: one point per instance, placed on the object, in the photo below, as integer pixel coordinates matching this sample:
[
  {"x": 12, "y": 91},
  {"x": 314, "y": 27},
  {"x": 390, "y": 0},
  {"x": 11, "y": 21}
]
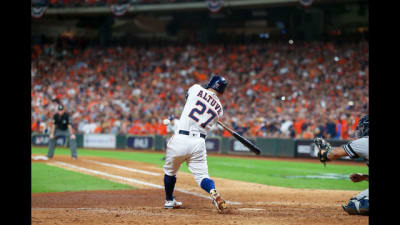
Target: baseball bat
[{"x": 242, "y": 139}]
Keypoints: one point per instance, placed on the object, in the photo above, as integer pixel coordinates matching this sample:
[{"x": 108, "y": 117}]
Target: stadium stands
[
  {"x": 90, "y": 3},
  {"x": 297, "y": 90}
]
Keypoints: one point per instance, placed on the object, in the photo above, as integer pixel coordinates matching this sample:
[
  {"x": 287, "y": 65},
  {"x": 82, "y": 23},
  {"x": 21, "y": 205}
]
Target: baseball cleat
[
  {"x": 172, "y": 204},
  {"x": 217, "y": 200}
]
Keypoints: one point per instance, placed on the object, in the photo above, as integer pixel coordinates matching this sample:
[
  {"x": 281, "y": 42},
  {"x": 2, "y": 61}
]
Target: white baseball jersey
[{"x": 201, "y": 111}]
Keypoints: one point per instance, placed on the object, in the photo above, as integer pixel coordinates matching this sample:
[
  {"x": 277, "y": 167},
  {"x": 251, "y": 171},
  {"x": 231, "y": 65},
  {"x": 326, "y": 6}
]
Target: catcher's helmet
[
  {"x": 217, "y": 83},
  {"x": 363, "y": 127}
]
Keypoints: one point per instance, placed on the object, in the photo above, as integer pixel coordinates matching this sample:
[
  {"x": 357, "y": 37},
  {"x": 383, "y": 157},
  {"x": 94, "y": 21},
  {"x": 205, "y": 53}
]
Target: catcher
[{"x": 358, "y": 205}]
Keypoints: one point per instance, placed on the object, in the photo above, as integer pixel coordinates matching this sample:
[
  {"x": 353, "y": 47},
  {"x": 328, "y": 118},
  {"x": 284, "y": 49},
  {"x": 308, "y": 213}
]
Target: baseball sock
[
  {"x": 169, "y": 184},
  {"x": 207, "y": 184}
]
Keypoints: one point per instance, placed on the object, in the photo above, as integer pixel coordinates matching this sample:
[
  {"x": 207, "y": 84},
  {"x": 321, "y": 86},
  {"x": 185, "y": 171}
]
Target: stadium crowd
[
  {"x": 298, "y": 90},
  {"x": 90, "y": 3}
]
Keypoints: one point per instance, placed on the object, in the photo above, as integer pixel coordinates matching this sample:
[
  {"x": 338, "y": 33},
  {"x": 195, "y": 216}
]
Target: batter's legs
[
  {"x": 208, "y": 185},
  {"x": 169, "y": 185}
]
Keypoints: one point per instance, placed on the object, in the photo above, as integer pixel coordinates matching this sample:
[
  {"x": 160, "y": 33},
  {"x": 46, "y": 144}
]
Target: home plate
[{"x": 250, "y": 209}]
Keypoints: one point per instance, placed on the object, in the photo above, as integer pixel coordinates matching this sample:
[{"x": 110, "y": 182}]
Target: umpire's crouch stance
[{"x": 61, "y": 127}]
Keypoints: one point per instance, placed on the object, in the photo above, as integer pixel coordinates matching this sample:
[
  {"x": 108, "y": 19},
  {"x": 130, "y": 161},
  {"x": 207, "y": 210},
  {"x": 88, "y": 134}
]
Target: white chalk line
[
  {"x": 292, "y": 203},
  {"x": 136, "y": 181},
  {"x": 111, "y": 211},
  {"x": 251, "y": 209},
  {"x": 122, "y": 167},
  {"x": 130, "y": 180}
]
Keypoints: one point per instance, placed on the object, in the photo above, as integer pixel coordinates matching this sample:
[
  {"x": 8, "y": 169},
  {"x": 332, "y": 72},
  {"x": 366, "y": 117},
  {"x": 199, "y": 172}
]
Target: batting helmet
[
  {"x": 363, "y": 127},
  {"x": 217, "y": 83}
]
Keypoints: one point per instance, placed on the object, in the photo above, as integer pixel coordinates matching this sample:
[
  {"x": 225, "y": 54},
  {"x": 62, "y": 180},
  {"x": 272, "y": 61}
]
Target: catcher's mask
[
  {"x": 363, "y": 127},
  {"x": 217, "y": 83}
]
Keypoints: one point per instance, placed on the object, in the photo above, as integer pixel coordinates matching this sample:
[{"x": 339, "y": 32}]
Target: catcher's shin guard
[{"x": 357, "y": 206}]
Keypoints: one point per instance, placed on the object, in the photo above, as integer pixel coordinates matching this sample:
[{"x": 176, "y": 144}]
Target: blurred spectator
[
  {"x": 86, "y": 3},
  {"x": 330, "y": 128},
  {"x": 285, "y": 125}
]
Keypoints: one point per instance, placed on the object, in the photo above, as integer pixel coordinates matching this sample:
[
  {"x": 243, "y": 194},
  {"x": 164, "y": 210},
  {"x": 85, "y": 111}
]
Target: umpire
[{"x": 61, "y": 126}]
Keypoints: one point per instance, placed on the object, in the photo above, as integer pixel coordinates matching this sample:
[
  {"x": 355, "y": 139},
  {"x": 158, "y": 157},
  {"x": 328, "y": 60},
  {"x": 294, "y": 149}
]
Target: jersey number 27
[{"x": 201, "y": 112}]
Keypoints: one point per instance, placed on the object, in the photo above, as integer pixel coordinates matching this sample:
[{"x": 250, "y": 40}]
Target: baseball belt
[{"x": 185, "y": 132}]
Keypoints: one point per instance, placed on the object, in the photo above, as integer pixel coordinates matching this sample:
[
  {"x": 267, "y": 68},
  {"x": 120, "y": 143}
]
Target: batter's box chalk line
[
  {"x": 251, "y": 209},
  {"x": 132, "y": 180}
]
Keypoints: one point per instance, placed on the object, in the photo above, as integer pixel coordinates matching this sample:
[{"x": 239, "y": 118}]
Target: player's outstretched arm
[
  {"x": 336, "y": 153},
  {"x": 357, "y": 177}
]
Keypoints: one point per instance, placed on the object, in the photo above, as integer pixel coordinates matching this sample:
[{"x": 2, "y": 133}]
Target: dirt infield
[{"x": 248, "y": 203}]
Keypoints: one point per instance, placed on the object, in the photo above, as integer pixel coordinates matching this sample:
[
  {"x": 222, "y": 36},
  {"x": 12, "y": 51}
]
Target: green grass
[
  {"x": 53, "y": 179},
  {"x": 245, "y": 169},
  {"x": 276, "y": 172}
]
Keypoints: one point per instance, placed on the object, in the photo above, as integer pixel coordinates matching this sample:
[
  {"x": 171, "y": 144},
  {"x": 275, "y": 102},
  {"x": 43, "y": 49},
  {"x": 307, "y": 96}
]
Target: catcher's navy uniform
[
  {"x": 359, "y": 149},
  {"x": 355, "y": 149}
]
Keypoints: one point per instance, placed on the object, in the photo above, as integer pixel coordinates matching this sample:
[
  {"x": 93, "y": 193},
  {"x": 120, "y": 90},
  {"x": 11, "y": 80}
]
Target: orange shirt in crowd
[
  {"x": 307, "y": 135},
  {"x": 158, "y": 70},
  {"x": 354, "y": 127},
  {"x": 344, "y": 130},
  {"x": 226, "y": 133},
  {"x": 97, "y": 130},
  {"x": 161, "y": 129},
  {"x": 297, "y": 125},
  {"x": 149, "y": 128},
  {"x": 255, "y": 131},
  {"x": 135, "y": 129},
  {"x": 34, "y": 126}
]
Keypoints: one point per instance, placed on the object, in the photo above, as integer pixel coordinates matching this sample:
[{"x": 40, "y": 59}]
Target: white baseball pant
[{"x": 191, "y": 149}]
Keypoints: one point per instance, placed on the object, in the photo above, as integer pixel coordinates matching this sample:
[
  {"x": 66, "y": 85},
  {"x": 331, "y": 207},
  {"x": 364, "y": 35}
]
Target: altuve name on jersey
[{"x": 210, "y": 100}]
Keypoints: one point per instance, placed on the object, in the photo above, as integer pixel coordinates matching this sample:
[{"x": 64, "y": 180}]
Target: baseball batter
[
  {"x": 201, "y": 111},
  {"x": 358, "y": 205}
]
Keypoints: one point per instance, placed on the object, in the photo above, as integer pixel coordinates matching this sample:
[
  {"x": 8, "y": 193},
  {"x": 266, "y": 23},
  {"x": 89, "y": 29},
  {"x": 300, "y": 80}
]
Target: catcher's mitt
[{"x": 324, "y": 147}]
